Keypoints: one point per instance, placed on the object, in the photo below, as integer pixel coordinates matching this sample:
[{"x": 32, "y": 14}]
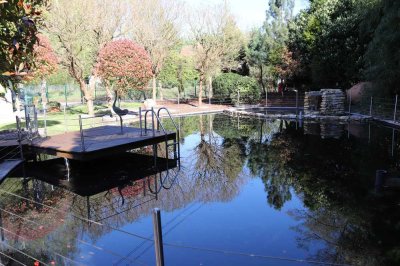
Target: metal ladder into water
[{"x": 175, "y": 144}]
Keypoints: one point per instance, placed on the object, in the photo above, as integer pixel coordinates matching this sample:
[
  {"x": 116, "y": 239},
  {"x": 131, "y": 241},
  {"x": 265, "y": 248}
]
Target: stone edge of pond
[{"x": 340, "y": 118}]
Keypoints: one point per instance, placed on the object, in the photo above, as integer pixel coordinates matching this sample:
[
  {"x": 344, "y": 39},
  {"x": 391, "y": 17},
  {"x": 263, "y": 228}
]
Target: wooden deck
[{"x": 98, "y": 142}]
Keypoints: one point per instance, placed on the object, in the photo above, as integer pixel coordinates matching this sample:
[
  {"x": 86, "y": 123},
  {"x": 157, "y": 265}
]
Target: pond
[{"x": 248, "y": 192}]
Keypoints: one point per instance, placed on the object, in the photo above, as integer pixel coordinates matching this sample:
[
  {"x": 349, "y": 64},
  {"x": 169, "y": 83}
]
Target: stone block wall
[
  {"x": 324, "y": 102},
  {"x": 332, "y": 102}
]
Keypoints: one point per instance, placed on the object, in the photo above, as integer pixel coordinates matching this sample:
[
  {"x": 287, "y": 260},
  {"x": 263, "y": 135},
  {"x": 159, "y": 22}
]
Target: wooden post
[{"x": 158, "y": 242}]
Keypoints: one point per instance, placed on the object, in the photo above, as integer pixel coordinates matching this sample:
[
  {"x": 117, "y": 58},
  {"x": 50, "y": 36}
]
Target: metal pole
[
  {"x": 45, "y": 121},
  {"x": 47, "y": 93},
  {"x": 81, "y": 131},
  {"x": 152, "y": 120},
  {"x": 349, "y": 102},
  {"x": 140, "y": 121},
  {"x": 65, "y": 118},
  {"x": 238, "y": 101},
  {"x": 36, "y": 119},
  {"x": 395, "y": 110},
  {"x": 65, "y": 95},
  {"x": 19, "y": 137},
  {"x": 370, "y": 107},
  {"x": 266, "y": 97},
  {"x": 297, "y": 102},
  {"x": 158, "y": 242}
]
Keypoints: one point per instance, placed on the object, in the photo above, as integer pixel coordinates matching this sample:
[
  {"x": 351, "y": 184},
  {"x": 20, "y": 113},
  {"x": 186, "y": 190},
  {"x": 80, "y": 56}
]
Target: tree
[
  {"x": 46, "y": 63},
  {"x": 178, "y": 70},
  {"x": 80, "y": 29},
  {"x": 19, "y": 23},
  {"x": 212, "y": 30},
  {"x": 383, "y": 56},
  {"x": 327, "y": 43},
  {"x": 125, "y": 65},
  {"x": 153, "y": 24},
  {"x": 257, "y": 54},
  {"x": 266, "y": 48}
]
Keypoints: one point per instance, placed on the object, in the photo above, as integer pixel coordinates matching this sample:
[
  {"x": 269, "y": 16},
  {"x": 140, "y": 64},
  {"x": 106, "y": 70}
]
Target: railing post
[
  {"x": 65, "y": 119},
  {"x": 19, "y": 137},
  {"x": 140, "y": 121},
  {"x": 158, "y": 242},
  {"x": 395, "y": 110},
  {"x": 152, "y": 120},
  {"x": 45, "y": 121},
  {"x": 266, "y": 97},
  {"x": 65, "y": 95},
  {"x": 370, "y": 107},
  {"x": 81, "y": 131},
  {"x": 35, "y": 116}
]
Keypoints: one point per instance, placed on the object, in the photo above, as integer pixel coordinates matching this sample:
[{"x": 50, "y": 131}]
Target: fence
[
  {"x": 71, "y": 94},
  {"x": 376, "y": 107}
]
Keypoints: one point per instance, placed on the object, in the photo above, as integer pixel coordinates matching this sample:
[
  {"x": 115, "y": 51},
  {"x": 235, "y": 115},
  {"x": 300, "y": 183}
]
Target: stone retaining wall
[{"x": 324, "y": 102}]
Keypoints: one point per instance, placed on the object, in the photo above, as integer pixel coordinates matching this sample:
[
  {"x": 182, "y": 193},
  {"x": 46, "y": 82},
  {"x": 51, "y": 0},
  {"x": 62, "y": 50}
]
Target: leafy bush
[
  {"x": 248, "y": 89},
  {"x": 225, "y": 84},
  {"x": 228, "y": 85}
]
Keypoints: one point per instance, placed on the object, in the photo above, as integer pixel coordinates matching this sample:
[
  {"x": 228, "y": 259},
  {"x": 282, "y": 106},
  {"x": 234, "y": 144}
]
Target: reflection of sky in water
[{"x": 230, "y": 211}]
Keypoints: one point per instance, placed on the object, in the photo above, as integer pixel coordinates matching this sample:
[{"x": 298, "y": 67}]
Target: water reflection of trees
[
  {"x": 217, "y": 164},
  {"x": 334, "y": 179}
]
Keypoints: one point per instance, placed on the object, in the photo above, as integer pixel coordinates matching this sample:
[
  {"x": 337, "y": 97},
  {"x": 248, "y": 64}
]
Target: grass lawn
[{"x": 57, "y": 123}]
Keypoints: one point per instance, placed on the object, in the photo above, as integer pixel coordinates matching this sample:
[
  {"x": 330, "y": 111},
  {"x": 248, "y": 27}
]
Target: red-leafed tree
[
  {"x": 45, "y": 63},
  {"x": 124, "y": 65}
]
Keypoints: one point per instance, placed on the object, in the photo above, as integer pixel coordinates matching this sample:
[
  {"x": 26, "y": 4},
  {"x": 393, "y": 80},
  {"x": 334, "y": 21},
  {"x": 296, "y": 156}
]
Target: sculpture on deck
[{"x": 120, "y": 112}]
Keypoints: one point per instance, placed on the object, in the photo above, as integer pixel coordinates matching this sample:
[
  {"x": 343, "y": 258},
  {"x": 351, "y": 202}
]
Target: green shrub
[
  {"x": 249, "y": 91},
  {"x": 227, "y": 85}
]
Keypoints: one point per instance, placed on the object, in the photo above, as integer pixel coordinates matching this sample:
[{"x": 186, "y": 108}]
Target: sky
[{"x": 249, "y": 13}]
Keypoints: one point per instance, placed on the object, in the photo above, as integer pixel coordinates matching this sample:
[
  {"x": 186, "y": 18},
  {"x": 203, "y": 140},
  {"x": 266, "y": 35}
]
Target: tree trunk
[
  {"x": 160, "y": 90},
  {"x": 201, "y": 89},
  {"x": 261, "y": 79},
  {"x": 210, "y": 89},
  {"x": 88, "y": 96},
  {"x": 154, "y": 89}
]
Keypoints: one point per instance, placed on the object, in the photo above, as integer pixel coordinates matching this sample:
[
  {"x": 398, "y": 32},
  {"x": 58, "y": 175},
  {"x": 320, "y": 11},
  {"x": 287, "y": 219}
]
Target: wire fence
[{"x": 376, "y": 107}]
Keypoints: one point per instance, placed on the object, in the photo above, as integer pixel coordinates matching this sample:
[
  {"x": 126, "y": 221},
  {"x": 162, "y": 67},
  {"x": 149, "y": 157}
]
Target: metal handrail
[{"x": 176, "y": 128}]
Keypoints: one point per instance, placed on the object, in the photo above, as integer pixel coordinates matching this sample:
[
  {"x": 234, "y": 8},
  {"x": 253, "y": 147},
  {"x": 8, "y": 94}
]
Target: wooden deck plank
[
  {"x": 97, "y": 142},
  {"x": 7, "y": 166}
]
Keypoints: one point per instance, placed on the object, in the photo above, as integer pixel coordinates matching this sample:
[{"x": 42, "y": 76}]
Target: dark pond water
[{"x": 249, "y": 192}]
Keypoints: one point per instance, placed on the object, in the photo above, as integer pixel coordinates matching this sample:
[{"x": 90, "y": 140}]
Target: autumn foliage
[
  {"x": 45, "y": 59},
  {"x": 125, "y": 65}
]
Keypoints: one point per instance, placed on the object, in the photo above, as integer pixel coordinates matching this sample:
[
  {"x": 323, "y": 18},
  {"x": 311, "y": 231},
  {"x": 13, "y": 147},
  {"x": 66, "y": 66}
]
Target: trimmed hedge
[{"x": 227, "y": 85}]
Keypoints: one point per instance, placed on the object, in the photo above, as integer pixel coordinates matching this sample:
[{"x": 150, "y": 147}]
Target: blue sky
[{"x": 249, "y": 13}]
